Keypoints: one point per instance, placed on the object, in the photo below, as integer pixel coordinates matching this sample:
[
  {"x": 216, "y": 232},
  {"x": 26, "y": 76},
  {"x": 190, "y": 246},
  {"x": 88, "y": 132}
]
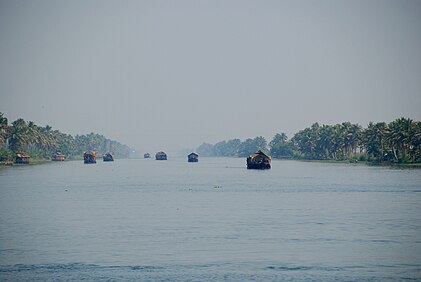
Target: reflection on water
[{"x": 212, "y": 220}]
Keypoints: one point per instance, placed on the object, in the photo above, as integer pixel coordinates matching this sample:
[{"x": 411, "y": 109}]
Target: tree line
[
  {"x": 42, "y": 141},
  {"x": 396, "y": 142}
]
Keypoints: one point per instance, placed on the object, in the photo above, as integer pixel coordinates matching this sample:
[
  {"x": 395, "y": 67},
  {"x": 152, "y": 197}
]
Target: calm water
[{"x": 209, "y": 221}]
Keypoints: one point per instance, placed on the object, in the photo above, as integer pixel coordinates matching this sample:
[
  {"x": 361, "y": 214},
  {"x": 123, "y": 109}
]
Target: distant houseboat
[
  {"x": 107, "y": 157},
  {"x": 89, "y": 157},
  {"x": 147, "y": 155},
  {"x": 193, "y": 158},
  {"x": 160, "y": 156},
  {"x": 22, "y": 158},
  {"x": 258, "y": 160},
  {"x": 57, "y": 157}
]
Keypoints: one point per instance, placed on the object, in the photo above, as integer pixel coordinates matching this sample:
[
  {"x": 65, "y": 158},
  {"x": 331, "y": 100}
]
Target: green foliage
[
  {"x": 250, "y": 146},
  {"x": 233, "y": 148},
  {"x": 3, "y": 128},
  {"x": 327, "y": 142},
  {"x": 5, "y": 155},
  {"x": 280, "y": 147},
  {"x": 42, "y": 142},
  {"x": 396, "y": 142},
  {"x": 206, "y": 150}
]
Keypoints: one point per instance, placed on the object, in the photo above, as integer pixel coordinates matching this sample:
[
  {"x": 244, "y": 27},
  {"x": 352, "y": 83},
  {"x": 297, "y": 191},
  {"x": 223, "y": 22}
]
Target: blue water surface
[{"x": 147, "y": 220}]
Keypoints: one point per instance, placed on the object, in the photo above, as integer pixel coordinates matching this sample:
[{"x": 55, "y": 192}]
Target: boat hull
[{"x": 258, "y": 166}]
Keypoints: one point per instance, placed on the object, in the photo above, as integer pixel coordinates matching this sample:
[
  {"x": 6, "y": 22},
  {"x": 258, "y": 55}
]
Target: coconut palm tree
[
  {"x": 3, "y": 129},
  {"x": 374, "y": 140},
  {"x": 279, "y": 147},
  {"x": 399, "y": 136},
  {"x": 18, "y": 136}
]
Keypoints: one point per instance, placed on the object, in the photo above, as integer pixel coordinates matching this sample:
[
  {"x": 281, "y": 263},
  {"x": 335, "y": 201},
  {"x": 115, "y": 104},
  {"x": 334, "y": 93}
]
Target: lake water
[{"x": 215, "y": 220}]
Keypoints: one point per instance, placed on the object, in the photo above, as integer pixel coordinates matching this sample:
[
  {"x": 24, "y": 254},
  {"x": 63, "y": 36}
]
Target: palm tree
[
  {"x": 373, "y": 140},
  {"x": 3, "y": 129},
  {"x": 250, "y": 146},
  {"x": 350, "y": 134},
  {"x": 33, "y": 134},
  {"x": 279, "y": 147},
  {"x": 399, "y": 136},
  {"x": 18, "y": 136},
  {"x": 327, "y": 141},
  {"x": 305, "y": 141},
  {"x": 415, "y": 142}
]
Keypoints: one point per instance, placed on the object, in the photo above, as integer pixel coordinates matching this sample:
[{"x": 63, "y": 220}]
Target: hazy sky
[{"x": 167, "y": 75}]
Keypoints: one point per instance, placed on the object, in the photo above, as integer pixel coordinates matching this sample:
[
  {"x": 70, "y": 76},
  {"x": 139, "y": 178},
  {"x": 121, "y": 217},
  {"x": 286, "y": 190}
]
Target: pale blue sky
[{"x": 167, "y": 75}]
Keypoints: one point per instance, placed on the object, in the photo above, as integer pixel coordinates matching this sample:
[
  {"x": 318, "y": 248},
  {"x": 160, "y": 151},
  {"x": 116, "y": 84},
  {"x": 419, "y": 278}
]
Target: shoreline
[
  {"x": 354, "y": 162},
  {"x": 35, "y": 162}
]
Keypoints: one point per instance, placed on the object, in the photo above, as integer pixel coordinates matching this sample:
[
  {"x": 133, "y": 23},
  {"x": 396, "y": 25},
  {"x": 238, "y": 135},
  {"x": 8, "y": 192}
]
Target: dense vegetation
[
  {"x": 396, "y": 142},
  {"x": 42, "y": 142}
]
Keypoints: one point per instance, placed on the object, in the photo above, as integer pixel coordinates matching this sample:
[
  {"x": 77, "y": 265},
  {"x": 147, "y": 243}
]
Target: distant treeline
[
  {"x": 396, "y": 142},
  {"x": 42, "y": 142}
]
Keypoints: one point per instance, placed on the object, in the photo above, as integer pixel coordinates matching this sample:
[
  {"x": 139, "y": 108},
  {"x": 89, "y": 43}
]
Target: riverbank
[
  {"x": 385, "y": 164},
  {"x": 350, "y": 161},
  {"x": 36, "y": 161},
  {"x": 31, "y": 162},
  {"x": 415, "y": 165}
]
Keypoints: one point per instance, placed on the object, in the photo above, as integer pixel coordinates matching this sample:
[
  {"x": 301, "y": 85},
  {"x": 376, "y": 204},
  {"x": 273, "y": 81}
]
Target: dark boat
[
  {"x": 57, "y": 157},
  {"x": 193, "y": 158},
  {"x": 146, "y": 155},
  {"x": 22, "y": 158},
  {"x": 258, "y": 160},
  {"x": 107, "y": 157},
  {"x": 89, "y": 157},
  {"x": 161, "y": 156}
]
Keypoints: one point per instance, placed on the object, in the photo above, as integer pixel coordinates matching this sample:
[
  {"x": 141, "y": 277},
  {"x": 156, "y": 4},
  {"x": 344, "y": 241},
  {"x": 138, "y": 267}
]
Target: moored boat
[
  {"x": 22, "y": 158},
  {"x": 89, "y": 157},
  {"x": 57, "y": 157}
]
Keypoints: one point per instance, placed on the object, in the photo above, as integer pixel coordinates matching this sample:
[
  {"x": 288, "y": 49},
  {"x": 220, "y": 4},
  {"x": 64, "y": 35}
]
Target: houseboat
[
  {"x": 193, "y": 158},
  {"x": 258, "y": 160},
  {"x": 107, "y": 157},
  {"x": 89, "y": 157},
  {"x": 57, "y": 157},
  {"x": 161, "y": 156},
  {"x": 22, "y": 158}
]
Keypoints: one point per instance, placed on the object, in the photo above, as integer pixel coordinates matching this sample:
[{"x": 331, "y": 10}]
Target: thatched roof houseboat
[
  {"x": 57, "y": 157},
  {"x": 160, "y": 156},
  {"x": 107, "y": 157},
  {"x": 193, "y": 158},
  {"x": 22, "y": 158},
  {"x": 258, "y": 160},
  {"x": 147, "y": 155},
  {"x": 89, "y": 157}
]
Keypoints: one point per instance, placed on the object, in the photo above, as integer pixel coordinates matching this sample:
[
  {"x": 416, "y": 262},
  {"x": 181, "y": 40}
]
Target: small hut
[
  {"x": 193, "y": 158},
  {"x": 146, "y": 155},
  {"x": 89, "y": 157},
  {"x": 258, "y": 160},
  {"x": 107, "y": 157},
  {"x": 22, "y": 158},
  {"x": 161, "y": 156},
  {"x": 57, "y": 157}
]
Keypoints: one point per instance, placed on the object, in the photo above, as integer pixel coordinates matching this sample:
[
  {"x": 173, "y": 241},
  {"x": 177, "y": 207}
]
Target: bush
[{"x": 5, "y": 155}]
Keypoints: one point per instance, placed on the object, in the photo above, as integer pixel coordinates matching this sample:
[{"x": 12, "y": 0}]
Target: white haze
[{"x": 167, "y": 75}]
